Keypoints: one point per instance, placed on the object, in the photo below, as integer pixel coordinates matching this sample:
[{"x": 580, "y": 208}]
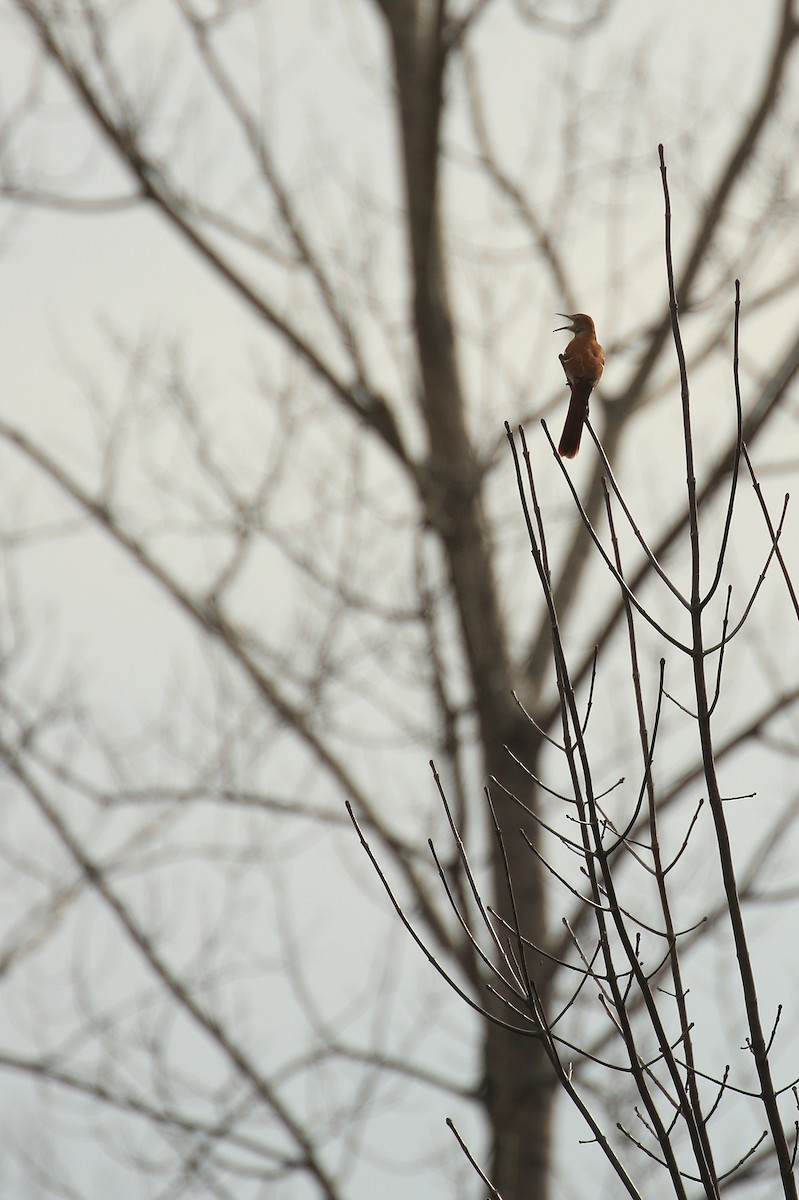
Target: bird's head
[{"x": 580, "y": 323}]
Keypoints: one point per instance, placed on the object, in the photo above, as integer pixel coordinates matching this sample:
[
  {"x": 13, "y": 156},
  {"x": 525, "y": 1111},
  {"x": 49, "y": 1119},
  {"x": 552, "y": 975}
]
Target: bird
[{"x": 583, "y": 362}]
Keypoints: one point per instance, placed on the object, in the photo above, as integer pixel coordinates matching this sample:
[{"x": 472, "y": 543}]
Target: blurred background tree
[{"x": 262, "y": 549}]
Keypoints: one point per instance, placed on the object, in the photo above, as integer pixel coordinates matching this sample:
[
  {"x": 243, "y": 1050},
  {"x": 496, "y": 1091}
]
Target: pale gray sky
[{"x": 68, "y": 280}]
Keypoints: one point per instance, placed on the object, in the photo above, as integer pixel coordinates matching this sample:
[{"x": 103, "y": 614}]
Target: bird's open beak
[{"x": 570, "y": 328}]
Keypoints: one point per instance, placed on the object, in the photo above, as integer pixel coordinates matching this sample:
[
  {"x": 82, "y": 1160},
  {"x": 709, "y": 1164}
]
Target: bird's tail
[{"x": 569, "y": 442}]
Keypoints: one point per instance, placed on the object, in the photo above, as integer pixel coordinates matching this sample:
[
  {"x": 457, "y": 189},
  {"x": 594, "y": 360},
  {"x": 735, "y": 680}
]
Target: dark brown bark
[{"x": 517, "y": 1079}]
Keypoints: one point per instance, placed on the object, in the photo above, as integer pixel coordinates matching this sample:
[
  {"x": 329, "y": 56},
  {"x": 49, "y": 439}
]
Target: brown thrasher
[{"x": 583, "y": 361}]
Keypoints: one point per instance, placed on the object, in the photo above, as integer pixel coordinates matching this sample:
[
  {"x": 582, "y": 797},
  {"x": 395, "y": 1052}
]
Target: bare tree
[
  {"x": 366, "y": 475},
  {"x": 615, "y": 946}
]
